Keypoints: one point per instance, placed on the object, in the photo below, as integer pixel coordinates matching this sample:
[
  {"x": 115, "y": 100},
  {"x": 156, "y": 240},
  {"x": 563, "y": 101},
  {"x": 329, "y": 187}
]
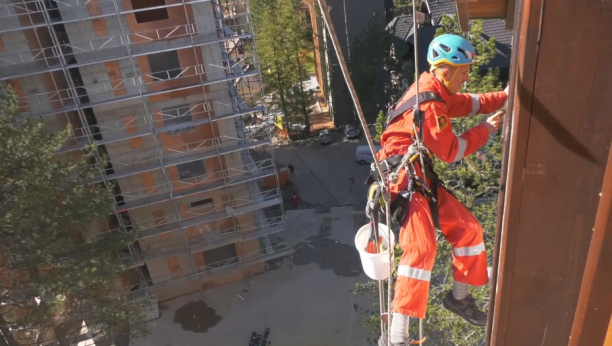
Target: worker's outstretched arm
[
  {"x": 439, "y": 137},
  {"x": 461, "y": 105}
]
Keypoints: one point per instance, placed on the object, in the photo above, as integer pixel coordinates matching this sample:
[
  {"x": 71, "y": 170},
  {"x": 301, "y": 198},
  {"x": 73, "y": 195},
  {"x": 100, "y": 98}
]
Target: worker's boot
[
  {"x": 382, "y": 341},
  {"x": 466, "y": 309}
]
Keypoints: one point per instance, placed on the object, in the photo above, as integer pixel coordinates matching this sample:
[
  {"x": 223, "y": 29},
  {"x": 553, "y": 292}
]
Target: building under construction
[{"x": 162, "y": 86}]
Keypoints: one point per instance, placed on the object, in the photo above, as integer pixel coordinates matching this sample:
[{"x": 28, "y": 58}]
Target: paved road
[{"x": 323, "y": 171}]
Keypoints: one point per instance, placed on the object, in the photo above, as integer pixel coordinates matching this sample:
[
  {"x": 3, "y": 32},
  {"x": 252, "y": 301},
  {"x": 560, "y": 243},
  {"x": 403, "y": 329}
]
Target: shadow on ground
[
  {"x": 196, "y": 316},
  {"x": 330, "y": 254}
]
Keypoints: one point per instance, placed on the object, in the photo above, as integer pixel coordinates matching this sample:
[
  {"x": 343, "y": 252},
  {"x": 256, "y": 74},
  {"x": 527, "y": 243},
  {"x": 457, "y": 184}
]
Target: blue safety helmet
[{"x": 450, "y": 49}]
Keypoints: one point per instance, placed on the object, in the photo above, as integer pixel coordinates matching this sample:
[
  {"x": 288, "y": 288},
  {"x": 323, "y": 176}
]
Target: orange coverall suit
[{"x": 418, "y": 236}]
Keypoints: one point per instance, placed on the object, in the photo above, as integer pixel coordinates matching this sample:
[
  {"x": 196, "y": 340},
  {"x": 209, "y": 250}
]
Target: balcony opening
[
  {"x": 64, "y": 42},
  {"x": 164, "y": 65},
  {"x": 191, "y": 169},
  {"x": 92, "y": 122},
  {"x": 104, "y": 153},
  {"x": 130, "y": 250},
  {"x": 174, "y": 116},
  {"x": 136, "y": 278},
  {"x": 125, "y": 218},
  {"x": 79, "y": 85},
  {"x": 150, "y": 15},
  {"x": 221, "y": 256},
  {"x": 201, "y": 202},
  {"x": 119, "y": 200},
  {"x": 54, "y": 13}
]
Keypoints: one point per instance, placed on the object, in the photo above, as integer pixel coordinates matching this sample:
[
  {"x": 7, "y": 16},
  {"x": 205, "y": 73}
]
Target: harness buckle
[{"x": 393, "y": 177}]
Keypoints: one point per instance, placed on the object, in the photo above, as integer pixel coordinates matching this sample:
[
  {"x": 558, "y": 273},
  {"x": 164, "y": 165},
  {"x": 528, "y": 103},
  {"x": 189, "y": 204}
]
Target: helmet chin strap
[{"x": 440, "y": 76}]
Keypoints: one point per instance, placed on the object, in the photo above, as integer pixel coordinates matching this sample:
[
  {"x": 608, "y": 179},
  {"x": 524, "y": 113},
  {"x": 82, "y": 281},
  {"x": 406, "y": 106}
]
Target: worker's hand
[{"x": 494, "y": 121}]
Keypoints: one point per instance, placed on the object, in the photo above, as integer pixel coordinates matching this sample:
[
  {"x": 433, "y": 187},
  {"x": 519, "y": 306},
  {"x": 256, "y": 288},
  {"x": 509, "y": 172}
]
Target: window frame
[
  {"x": 143, "y": 16},
  {"x": 171, "y": 120},
  {"x": 165, "y": 74},
  {"x": 192, "y": 176}
]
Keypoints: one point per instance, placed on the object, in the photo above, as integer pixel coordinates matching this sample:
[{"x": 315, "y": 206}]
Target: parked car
[
  {"x": 297, "y": 127},
  {"x": 298, "y": 130},
  {"x": 363, "y": 155},
  {"x": 325, "y": 137},
  {"x": 351, "y": 131}
]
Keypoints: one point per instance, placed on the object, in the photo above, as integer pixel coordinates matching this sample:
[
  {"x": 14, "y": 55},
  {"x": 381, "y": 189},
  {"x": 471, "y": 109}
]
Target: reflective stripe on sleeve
[
  {"x": 475, "y": 104},
  {"x": 461, "y": 149}
]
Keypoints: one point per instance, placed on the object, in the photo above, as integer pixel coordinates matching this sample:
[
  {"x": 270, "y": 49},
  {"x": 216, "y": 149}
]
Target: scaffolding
[{"x": 83, "y": 63}]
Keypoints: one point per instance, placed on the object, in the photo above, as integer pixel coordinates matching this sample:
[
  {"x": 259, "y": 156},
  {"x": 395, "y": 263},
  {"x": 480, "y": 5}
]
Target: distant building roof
[
  {"x": 402, "y": 30},
  {"x": 438, "y": 8},
  {"x": 400, "y": 27},
  {"x": 497, "y": 28},
  {"x": 426, "y": 35}
]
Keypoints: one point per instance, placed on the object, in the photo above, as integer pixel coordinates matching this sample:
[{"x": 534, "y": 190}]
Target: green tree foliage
[
  {"x": 370, "y": 55},
  {"x": 283, "y": 42},
  {"x": 475, "y": 182},
  {"x": 47, "y": 251},
  {"x": 381, "y": 121},
  {"x": 375, "y": 70},
  {"x": 401, "y": 7}
]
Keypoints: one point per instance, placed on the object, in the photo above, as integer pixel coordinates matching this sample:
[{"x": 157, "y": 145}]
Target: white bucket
[{"x": 375, "y": 265}]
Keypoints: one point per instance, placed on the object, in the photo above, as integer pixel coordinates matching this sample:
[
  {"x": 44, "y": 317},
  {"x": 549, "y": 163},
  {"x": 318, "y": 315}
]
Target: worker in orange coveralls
[{"x": 450, "y": 57}]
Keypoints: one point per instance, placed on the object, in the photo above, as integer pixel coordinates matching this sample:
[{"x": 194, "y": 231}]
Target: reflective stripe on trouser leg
[
  {"x": 464, "y": 233},
  {"x": 418, "y": 241}
]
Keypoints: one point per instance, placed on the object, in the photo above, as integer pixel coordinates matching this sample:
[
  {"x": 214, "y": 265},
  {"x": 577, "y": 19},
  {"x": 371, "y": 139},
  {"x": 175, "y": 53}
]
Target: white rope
[
  {"x": 387, "y": 200},
  {"x": 416, "y": 51},
  {"x": 381, "y": 302},
  {"x": 417, "y": 136},
  {"x": 420, "y": 330}
]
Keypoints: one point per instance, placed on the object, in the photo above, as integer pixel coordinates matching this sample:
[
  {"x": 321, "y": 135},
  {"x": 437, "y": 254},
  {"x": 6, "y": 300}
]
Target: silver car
[
  {"x": 325, "y": 137},
  {"x": 351, "y": 131}
]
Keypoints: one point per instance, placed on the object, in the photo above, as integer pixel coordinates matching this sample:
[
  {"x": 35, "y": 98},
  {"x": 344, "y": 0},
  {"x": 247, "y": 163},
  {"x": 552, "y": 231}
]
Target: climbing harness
[
  {"x": 391, "y": 170},
  {"x": 399, "y": 109},
  {"x": 391, "y": 166}
]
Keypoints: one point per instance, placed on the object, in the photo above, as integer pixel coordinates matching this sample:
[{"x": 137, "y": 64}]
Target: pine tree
[
  {"x": 475, "y": 182},
  {"x": 374, "y": 68},
  {"x": 370, "y": 57},
  {"x": 282, "y": 36},
  {"x": 54, "y": 274}
]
